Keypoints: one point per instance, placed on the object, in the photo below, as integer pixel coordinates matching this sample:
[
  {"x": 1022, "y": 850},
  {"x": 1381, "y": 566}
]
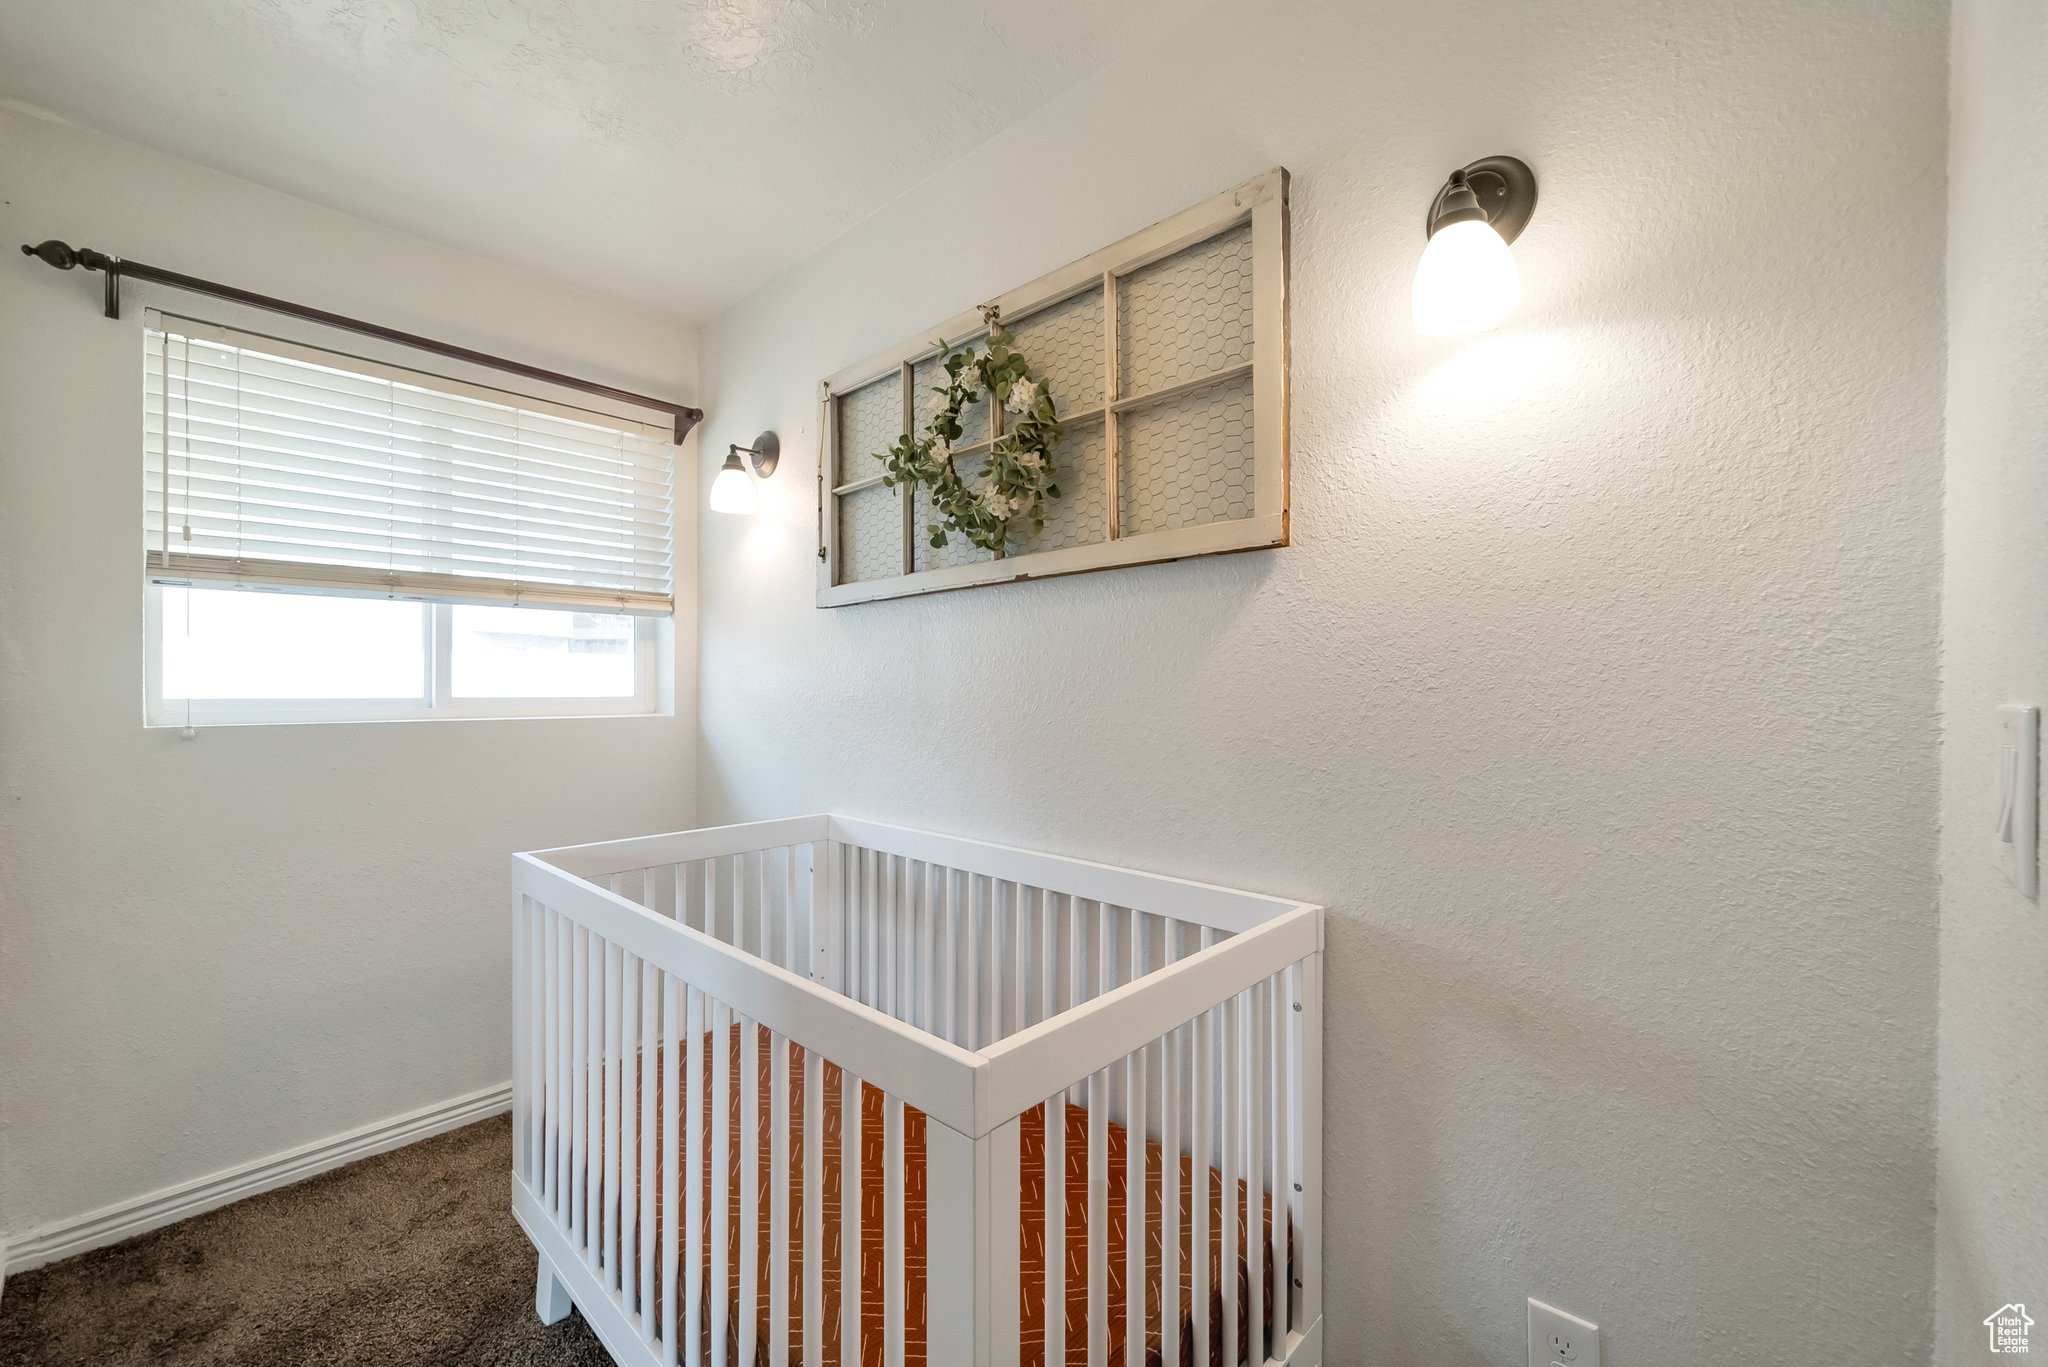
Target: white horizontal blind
[{"x": 281, "y": 466}]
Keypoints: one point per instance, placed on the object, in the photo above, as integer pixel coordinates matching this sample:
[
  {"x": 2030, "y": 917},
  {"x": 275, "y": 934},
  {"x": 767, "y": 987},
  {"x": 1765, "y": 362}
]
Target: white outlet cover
[
  {"x": 1557, "y": 1336},
  {"x": 2015, "y": 797}
]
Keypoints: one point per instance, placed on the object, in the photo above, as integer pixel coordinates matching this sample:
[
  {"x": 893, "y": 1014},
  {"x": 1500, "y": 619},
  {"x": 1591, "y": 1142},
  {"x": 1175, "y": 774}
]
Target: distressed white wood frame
[{"x": 1261, "y": 202}]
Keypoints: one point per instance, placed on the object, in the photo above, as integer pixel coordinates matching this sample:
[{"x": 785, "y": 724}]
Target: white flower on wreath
[
  {"x": 1023, "y": 397},
  {"x": 1030, "y": 460}
]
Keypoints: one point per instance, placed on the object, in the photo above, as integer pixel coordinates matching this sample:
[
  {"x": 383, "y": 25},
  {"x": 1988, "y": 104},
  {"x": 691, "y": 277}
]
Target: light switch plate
[
  {"x": 1560, "y": 1339},
  {"x": 2016, "y": 797}
]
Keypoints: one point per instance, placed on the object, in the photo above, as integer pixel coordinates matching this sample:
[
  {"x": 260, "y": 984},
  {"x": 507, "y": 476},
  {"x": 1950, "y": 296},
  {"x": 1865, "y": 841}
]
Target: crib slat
[
  {"x": 993, "y": 971},
  {"x": 1256, "y": 1109},
  {"x": 720, "y": 1150},
  {"x": 1020, "y": 960},
  {"x": 593, "y": 1105},
  {"x": 565, "y": 1060},
  {"x": 732, "y": 873},
  {"x": 952, "y": 975},
  {"x": 778, "y": 1201},
  {"x": 1048, "y": 956},
  {"x": 927, "y": 952},
  {"x": 757, "y": 906},
  {"x": 671, "y": 1153},
  {"x": 850, "y": 1166},
  {"x": 1170, "y": 1099},
  {"x": 1098, "y": 1156},
  {"x": 536, "y": 1139},
  {"x": 523, "y": 984},
  {"x": 1233, "y": 1168},
  {"x": 551, "y": 1092},
  {"x": 1098, "y": 1217},
  {"x": 748, "y": 1253},
  {"x": 608, "y": 1255},
  {"x": 1276, "y": 1173},
  {"x": 850, "y": 955},
  {"x": 1077, "y": 948},
  {"x": 870, "y": 915},
  {"x": 989, "y": 970},
  {"x": 648, "y": 1095},
  {"x": 1201, "y": 1127},
  {"x": 736, "y": 904},
  {"x": 1137, "y": 1082},
  {"x": 906, "y": 941},
  {"x": 697, "y": 1017},
  {"x": 814, "y": 1211},
  {"x": 573, "y": 1162},
  {"x": 739, "y": 910},
  {"x": 527, "y": 1015},
  {"x": 892, "y": 1232},
  {"x": 854, "y": 918},
  {"x": 1278, "y": 1179},
  {"x": 790, "y": 959},
  {"x": 1137, "y": 1078},
  {"x": 1056, "y": 1231},
  {"x": 846, "y": 939},
  {"x": 593, "y": 1109},
  {"x": 717, "y": 895},
  {"x": 886, "y": 907},
  {"x": 629, "y": 1139},
  {"x": 973, "y": 1038}
]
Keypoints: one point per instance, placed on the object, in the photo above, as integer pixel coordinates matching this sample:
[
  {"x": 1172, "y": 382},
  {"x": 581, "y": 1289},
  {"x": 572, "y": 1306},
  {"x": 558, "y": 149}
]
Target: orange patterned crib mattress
[{"x": 1032, "y": 1210}]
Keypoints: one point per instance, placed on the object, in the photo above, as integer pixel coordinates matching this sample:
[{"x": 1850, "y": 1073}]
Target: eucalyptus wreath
[{"x": 1020, "y": 476}]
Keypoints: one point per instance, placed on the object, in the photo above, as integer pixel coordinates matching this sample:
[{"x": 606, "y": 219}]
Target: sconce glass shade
[
  {"x": 1466, "y": 281},
  {"x": 732, "y": 491}
]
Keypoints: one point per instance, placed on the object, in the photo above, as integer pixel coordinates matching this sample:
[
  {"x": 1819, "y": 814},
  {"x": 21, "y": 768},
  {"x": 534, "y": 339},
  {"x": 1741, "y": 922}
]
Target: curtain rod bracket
[{"x": 64, "y": 257}]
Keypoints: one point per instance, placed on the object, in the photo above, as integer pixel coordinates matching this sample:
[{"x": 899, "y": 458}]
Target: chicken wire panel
[
  {"x": 958, "y": 550},
  {"x": 929, "y": 375},
  {"x": 870, "y": 534},
  {"x": 1186, "y": 316},
  {"x": 1080, "y": 515},
  {"x": 1064, "y": 345},
  {"x": 870, "y": 421},
  {"x": 1188, "y": 460}
]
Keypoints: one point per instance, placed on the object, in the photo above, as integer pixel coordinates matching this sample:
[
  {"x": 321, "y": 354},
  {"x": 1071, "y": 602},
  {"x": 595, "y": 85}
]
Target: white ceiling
[{"x": 674, "y": 152}]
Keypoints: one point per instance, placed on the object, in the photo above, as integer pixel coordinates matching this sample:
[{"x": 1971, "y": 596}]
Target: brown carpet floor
[{"x": 410, "y": 1259}]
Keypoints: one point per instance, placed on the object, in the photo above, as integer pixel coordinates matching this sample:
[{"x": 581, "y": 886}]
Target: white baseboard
[{"x": 111, "y": 1224}]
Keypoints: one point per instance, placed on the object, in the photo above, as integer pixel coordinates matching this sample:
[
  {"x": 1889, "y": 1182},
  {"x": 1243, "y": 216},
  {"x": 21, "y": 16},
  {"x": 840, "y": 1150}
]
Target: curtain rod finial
[{"x": 52, "y": 252}]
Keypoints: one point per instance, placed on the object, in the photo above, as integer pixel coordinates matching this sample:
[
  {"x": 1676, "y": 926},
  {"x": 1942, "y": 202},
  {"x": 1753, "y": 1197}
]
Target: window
[
  {"x": 330, "y": 539},
  {"x": 223, "y": 656}
]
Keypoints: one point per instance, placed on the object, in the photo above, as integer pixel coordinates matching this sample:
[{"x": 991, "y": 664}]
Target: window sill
[{"x": 200, "y": 721}]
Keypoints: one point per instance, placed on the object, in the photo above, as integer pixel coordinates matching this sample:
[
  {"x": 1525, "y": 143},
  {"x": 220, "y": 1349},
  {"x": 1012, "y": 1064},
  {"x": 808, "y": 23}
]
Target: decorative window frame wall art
[{"x": 1166, "y": 356}]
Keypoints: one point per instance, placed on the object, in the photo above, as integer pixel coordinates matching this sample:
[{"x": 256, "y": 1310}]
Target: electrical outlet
[{"x": 1558, "y": 1339}]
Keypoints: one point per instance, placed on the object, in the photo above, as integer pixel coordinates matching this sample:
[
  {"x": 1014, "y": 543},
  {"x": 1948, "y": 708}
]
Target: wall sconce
[
  {"x": 732, "y": 491},
  {"x": 1467, "y": 281}
]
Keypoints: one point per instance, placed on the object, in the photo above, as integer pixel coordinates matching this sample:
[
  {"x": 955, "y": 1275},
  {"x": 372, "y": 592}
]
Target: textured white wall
[
  {"x": 213, "y": 951},
  {"x": 1993, "y": 1192},
  {"x": 1596, "y": 697}
]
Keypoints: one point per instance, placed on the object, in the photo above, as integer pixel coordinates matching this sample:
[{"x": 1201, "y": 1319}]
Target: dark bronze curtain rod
[{"x": 64, "y": 257}]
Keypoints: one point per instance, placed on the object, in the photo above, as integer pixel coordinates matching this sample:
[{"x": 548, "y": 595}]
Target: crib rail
[{"x": 781, "y": 1091}]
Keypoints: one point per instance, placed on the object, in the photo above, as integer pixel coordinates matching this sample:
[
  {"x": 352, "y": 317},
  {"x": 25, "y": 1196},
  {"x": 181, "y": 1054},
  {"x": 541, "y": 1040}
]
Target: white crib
[{"x": 970, "y": 1067}]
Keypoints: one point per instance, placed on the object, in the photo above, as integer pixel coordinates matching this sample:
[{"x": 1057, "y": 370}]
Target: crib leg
[{"x": 550, "y": 1297}]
